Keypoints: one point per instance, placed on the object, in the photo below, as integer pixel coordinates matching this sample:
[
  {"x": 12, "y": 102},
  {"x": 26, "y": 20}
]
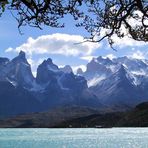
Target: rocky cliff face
[
  {"x": 21, "y": 92},
  {"x": 120, "y": 84}
]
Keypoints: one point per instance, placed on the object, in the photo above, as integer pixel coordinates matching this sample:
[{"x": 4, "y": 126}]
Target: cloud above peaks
[
  {"x": 127, "y": 41},
  {"x": 63, "y": 44},
  {"x": 138, "y": 55}
]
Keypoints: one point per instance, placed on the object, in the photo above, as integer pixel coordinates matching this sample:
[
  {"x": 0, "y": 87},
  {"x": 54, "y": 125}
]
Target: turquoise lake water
[{"x": 74, "y": 138}]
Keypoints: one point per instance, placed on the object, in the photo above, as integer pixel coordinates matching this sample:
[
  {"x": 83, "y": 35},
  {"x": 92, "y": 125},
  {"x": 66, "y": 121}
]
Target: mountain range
[
  {"x": 121, "y": 82},
  {"x": 21, "y": 93},
  {"x": 107, "y": 84}
]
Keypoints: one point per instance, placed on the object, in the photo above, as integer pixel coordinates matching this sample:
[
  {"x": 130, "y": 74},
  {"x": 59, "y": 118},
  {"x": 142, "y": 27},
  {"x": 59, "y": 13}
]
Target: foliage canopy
[{"x": 115, "y": 17}]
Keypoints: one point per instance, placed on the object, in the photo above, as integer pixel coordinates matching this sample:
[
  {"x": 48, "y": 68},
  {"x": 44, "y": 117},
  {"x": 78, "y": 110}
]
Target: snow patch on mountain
[
  {"x": 94, "y": 81},
  {"x": 141, "y": 72}
]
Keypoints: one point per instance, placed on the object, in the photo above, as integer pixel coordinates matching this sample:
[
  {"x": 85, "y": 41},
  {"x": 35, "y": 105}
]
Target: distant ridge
[{"x": 117, "y": 84}]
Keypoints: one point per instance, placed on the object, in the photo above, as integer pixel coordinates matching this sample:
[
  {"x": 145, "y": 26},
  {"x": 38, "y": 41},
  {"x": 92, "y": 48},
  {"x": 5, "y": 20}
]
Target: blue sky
[{"x": 60, "y": 44}]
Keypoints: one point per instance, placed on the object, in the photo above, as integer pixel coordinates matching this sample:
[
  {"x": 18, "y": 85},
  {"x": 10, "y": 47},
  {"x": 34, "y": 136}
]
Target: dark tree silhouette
[
  {"x": 116, "y": 17},
  {"x": 119, "y": 17}
]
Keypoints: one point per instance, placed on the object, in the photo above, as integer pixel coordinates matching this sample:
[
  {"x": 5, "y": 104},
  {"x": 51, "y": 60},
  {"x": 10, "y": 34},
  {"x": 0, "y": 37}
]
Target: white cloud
[
  {"x": 138, "y": 55},
  {"x": 9, "y": 49},
  {"x": 127, "y": 41},
  {"x": 63, "y": 44},
  {"x": 34, "y": 64}
]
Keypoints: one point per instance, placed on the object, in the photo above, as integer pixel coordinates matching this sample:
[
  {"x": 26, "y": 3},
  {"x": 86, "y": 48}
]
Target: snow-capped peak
[
  {"x": 96, "y": 80},
  {"x": 121, "y": 72},
  {"x": 124, "y": 74}
]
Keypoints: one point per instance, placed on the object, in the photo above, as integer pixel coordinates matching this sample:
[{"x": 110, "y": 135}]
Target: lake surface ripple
[{"x": 74, "y": 138}]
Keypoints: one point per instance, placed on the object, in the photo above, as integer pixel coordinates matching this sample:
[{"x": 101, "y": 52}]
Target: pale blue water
[{"x": 74, "y": 138}]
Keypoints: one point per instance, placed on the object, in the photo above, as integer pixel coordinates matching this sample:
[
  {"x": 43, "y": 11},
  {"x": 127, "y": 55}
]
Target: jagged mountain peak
[
  {"x": 98, "y": 62},
  {"x": 99, "y": 58},
  {"x": 122, "y": 73},
  {"x": 122, "y": 69},
  {"x": 21, "y": 58},
  {"x": 49, "y": 61},
  {"x": 104, "y": 61},
  {"x": 123, "y": 58},
  {"x": 93, "y": 64},
  {"x": 95, "y": 67},
  {"x": 66, "y": 69},
  {"x": 47, "y": 71},
  {"x": 49, "y": 65},
  {"x": 22, "y": 54},
  {"x": 54, "y": 86}
]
